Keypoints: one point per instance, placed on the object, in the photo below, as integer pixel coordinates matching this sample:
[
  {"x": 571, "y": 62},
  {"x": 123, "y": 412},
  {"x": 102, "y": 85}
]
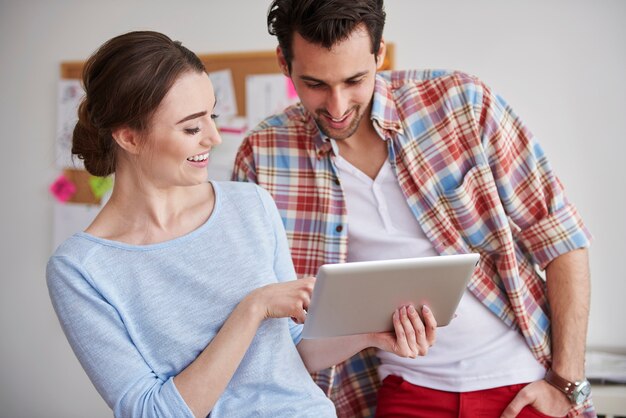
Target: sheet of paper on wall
[
  {"x": 224, "y": 93},
  {"x": 70, "y": 92},
  {"x": 222, "y": 158},
  {"x": 267, "y": 94},
  {"x": 70, "y": 218}
]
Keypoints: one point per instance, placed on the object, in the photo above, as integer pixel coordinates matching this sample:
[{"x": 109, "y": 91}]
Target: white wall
[{"x": 561, "y": 64}]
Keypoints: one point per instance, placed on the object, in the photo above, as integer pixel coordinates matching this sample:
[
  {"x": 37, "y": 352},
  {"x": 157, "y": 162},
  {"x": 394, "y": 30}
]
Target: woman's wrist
[
  {"x": 252, "y": 307},
  {"x": 369, "y": 340}
]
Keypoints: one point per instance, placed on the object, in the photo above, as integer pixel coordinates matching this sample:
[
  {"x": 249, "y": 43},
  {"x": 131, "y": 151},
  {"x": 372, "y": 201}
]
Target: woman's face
[{"x": 182, "y": 133}]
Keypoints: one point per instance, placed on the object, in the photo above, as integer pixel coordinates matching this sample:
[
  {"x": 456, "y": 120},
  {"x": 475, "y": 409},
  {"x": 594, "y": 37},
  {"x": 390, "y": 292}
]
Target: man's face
[{"x": 336, "y": 86}]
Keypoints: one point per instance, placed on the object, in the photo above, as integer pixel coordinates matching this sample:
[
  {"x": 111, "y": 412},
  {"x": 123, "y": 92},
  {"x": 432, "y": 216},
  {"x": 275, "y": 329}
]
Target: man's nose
[{"x": 337, "y": 104}]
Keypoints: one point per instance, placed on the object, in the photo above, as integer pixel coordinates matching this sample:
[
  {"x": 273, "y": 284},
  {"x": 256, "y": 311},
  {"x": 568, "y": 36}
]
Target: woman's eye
[
  {"x": 214, "y": 116},
  {"x": 192, "y": 131}
]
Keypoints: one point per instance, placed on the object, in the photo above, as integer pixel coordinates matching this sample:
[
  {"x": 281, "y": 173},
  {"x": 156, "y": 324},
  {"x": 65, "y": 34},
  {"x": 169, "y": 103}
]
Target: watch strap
[{"x": 560, "y": 383}]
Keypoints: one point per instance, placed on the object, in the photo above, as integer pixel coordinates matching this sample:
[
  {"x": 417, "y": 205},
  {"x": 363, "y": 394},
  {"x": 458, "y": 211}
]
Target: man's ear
[
  {"x": 127, "y": 139},
  {"x": 282, "y": 62},
  {"x": 380, "y": 57}
]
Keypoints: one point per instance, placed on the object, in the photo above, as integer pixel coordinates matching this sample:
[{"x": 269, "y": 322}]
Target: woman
[{"x": 177, "y": 298}]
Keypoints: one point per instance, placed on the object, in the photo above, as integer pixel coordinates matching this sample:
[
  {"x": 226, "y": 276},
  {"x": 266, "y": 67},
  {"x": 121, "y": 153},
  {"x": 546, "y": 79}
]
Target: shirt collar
[{"x": 384, "y": 110}]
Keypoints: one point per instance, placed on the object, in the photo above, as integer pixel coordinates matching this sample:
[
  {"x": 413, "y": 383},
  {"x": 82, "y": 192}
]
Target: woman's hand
[
  {"x": 413, "y": 337},
  {"x": 205, "y": 379},
  {"x": 280, "y": 300}
]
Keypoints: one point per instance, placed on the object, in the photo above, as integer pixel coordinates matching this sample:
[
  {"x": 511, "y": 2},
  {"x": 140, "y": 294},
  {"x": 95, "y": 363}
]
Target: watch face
[{"x": 581, "y": 392}]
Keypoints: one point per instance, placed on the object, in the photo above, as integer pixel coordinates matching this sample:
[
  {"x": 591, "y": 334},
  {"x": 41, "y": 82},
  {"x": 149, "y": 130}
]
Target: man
[{"x": 418, "y": 163}]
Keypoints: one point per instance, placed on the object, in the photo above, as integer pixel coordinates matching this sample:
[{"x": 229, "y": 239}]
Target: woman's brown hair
[{"x": 125, "y": 80}]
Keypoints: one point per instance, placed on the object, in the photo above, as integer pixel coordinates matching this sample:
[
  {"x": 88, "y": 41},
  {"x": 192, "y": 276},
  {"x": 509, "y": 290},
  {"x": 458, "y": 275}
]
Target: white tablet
[{"x": 360, "y": 297}]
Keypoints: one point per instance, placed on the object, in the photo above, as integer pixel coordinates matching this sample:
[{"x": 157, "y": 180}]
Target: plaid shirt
[{"x": 474, "y": 178}]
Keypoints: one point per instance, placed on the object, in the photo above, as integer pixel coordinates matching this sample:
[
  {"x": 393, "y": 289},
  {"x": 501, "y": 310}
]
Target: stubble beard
[{"x": 345, "y": 133}]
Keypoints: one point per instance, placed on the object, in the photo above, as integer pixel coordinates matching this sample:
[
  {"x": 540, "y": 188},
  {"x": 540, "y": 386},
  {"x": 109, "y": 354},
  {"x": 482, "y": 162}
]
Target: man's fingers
[
  {"x": 430, "y": 325},
  {"x": 410, "y": 332},
  {"x": 517, "y": 404},
  {"x": 402, "y": 347},
  {"x": 418, "y": 326}
]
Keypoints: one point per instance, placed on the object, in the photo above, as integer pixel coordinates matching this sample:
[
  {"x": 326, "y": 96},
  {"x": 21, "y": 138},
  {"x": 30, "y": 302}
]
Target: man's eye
[
  {"x": 354, "y": 82},
  {"x": 192, "y": 131}
]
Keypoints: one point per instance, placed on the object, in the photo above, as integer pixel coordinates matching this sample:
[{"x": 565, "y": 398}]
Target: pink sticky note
[
  {"x": 62, "y": 189},
  {"x": 291, "y": 90}
]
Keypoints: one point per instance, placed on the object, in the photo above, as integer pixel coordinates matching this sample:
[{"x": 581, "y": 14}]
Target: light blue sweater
[{"x": 136, "y": 315}]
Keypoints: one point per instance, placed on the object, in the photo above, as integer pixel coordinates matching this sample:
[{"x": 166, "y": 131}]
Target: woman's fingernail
[
  {"x": 425, "y": 308},
  {"x": 411, "y": 309}
]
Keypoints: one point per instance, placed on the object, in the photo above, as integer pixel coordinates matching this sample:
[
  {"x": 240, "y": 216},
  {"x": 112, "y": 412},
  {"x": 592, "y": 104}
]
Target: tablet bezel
[{"x": 360, "y": 297}]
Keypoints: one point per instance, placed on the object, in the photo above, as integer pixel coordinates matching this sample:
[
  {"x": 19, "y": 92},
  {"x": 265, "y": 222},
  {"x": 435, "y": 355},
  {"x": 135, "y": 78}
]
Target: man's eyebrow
[
  {"x": 357, "y": 75},
  {"x": 308, "y": 78},
  {"x": 196, "y": 115},
  {"x": 315, "y": 80}
]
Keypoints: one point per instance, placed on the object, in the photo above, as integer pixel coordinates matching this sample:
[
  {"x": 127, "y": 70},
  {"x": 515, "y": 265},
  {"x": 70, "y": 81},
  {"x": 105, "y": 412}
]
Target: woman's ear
[{"x": 127, "y": 139}]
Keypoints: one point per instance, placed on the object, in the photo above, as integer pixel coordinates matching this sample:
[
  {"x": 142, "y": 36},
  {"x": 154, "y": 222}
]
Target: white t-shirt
[{"x": 476, "y": 350}]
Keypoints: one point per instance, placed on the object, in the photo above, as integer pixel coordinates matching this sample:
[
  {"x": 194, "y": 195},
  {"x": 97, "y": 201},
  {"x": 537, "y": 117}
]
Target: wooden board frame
[{"x": 241, "y": 64}]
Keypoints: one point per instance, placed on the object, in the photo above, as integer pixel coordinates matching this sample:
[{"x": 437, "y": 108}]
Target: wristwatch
[{"x": 577, "y": 392}]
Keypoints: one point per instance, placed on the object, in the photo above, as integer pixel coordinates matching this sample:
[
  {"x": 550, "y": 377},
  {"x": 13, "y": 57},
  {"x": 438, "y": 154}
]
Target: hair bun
[{"x": 92, "y": 145}]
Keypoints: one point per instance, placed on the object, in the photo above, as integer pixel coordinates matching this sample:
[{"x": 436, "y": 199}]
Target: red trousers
[{"x": 398, "y": 398}]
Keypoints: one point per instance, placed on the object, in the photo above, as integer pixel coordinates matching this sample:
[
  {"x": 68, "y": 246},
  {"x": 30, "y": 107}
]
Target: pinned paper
[
  {"x": 224, "y": 89},
  {"x": 69, "y": 95},
  {"x": 63, "y": 189},
  {"x": 223, "y": 156},
  {"x": 291, "y": 90},
  {"x": 232, "y": 124},
  {"x": 83, "y": 192},
  {"x": 266, "y": 94},
  {"x": 68, "y": 219},
  {"x": 100, "y": 185}
]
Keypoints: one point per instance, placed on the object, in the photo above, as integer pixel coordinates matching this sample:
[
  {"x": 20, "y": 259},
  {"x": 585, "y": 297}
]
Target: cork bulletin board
[
  {"x": 241, "y": 64},
  {"x": 80, "y": 195}
]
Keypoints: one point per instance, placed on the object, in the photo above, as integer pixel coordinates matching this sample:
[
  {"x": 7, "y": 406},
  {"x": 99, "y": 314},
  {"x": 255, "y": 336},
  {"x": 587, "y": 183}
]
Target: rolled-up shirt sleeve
[{"x": 543, "y": 221}]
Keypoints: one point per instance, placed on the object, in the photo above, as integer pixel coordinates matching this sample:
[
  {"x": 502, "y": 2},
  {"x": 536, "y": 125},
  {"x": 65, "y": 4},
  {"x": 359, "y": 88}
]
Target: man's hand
[
  {"x": 412, "y": 337},
  {"x": 542, "y": 396}
]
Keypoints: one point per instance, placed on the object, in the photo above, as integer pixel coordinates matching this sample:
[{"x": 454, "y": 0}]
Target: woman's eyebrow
[{"x": 192, "y": 116}]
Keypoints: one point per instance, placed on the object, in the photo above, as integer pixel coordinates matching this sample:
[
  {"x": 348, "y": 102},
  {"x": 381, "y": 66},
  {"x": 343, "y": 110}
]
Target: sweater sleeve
[
  {"x": 98, "y": 337},
  {"x": 283, "y": 265}
]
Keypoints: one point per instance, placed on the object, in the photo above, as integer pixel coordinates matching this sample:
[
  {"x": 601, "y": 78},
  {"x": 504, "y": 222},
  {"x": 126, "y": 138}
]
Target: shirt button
[
  {"x": 337, "y": 181},
  {"x": 339, "y": 228}
]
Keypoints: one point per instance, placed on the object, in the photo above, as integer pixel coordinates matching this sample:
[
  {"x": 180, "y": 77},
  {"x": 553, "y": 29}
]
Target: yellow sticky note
[{"x": 100, "y": 185}]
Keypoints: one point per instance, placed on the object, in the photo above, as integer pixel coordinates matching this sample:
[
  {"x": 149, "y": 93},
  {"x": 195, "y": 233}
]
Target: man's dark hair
[{"x": 324, "y": 22}]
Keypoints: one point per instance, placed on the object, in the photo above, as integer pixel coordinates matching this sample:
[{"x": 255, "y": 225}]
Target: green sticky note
[{"x": 100, "y": 185}]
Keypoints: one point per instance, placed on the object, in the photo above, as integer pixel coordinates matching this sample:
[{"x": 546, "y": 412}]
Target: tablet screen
[{"x": 360, "y": 297}]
